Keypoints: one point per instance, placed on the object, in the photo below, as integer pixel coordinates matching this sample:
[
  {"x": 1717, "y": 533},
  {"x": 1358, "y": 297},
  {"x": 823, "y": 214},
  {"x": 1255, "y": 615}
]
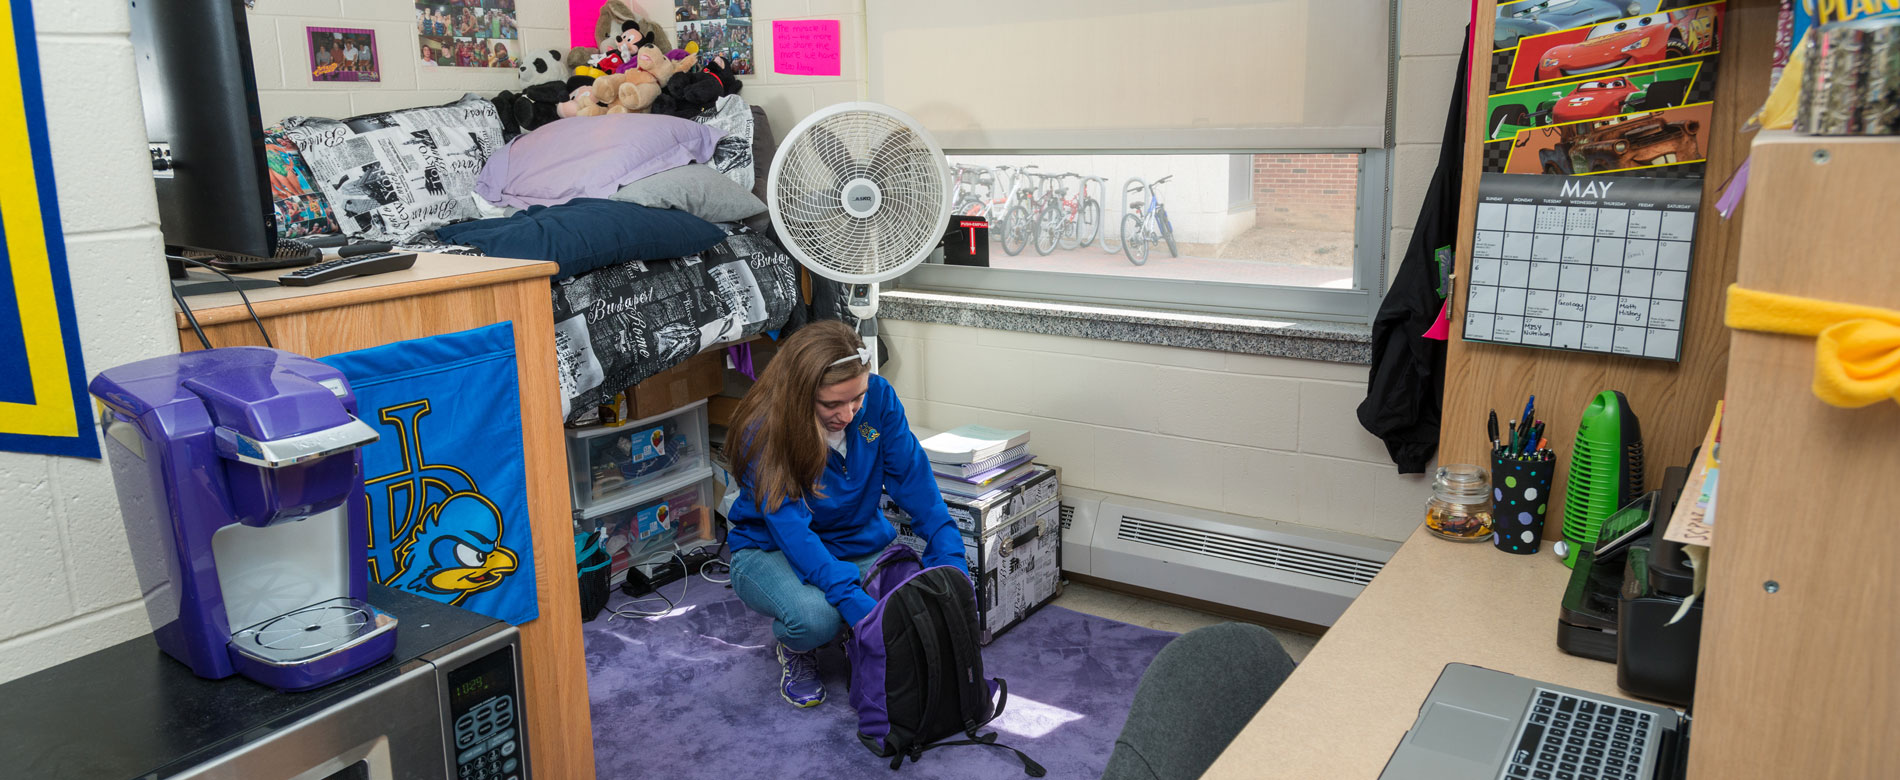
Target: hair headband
[{"x": 863, "y": 355}]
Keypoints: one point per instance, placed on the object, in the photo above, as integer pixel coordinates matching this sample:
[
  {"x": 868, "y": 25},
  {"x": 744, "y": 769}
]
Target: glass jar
[{"x": 1460, "y": 506}]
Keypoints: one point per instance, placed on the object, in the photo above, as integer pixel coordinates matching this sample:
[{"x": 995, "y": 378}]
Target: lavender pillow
[{"x": 591, "y": 157}]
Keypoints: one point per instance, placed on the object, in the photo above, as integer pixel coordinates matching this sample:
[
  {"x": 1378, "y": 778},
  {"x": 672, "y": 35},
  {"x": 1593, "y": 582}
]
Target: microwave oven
[{"x": 448, "y": 704}]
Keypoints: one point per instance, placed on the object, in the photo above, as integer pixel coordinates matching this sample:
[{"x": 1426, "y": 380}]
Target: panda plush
[
  {"x": 540, "y": 66},
  {"x": 544, "y": 86}
]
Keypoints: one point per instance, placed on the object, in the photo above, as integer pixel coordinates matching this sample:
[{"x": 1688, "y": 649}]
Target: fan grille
[{"x": 816, "y": 165}]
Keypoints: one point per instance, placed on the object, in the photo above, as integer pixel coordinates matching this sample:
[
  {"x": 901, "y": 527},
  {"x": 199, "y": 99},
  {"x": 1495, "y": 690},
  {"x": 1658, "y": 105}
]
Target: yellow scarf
[{"x": 1856, "y": 350}]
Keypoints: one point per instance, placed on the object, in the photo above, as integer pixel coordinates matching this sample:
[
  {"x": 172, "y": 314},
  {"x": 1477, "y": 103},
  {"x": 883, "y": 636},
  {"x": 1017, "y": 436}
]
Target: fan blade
[{"x": 836, "y": 153}]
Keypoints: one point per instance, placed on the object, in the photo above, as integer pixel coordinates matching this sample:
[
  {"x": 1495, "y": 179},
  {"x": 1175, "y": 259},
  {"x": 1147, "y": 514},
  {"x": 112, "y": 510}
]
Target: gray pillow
[
  {"x": 764, "y": 148},
  {"x": 695, "y": 189}
]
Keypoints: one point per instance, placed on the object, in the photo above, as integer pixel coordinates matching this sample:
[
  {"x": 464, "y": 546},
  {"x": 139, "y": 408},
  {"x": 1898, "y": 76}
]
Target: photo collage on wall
[
  {"x": 1597, "y": 118},
  {"x": 720, "y": 27},
  {"x": 468, "y": 33},
  {"x": 342, "y": 54}
]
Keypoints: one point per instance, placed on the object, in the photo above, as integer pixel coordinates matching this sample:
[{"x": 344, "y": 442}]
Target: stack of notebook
[{"x": 974, "y": 460}]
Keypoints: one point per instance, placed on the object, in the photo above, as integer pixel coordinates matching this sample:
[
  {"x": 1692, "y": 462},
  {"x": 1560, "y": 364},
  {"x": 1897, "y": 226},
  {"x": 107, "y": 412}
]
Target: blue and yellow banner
[
  {"x": 446, "y": 484},
  {"x": 42, "y": 382}
]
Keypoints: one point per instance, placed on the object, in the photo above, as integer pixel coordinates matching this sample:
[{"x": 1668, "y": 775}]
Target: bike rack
[
  {"x": 1126, "y": 188},
  {"x": 1101, "y": 230}
]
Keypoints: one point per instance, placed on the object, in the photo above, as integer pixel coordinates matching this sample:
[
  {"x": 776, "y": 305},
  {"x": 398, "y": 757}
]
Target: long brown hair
[{"x": 774, "y": 435}]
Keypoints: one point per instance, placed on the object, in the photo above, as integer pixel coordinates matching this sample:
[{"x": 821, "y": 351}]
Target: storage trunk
[{"x": 1017, "y": 562}]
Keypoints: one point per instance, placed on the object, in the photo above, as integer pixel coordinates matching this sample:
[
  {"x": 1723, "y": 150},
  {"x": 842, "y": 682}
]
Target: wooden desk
[
  {"x": 1344, "y": 709},
  {"x": 446, "y": 294}
]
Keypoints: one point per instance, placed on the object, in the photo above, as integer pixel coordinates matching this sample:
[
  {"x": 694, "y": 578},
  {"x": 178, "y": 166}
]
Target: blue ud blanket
[{"x": 447, "y": 490}]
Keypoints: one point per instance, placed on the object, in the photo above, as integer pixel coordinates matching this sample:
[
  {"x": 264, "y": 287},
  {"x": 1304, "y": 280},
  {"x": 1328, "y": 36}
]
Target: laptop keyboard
[{"x": 1570, "y": 738}]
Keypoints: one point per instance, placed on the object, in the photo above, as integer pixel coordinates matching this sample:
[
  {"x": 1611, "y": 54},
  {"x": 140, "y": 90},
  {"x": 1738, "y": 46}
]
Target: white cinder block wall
[
  {"x": 1431, "y": 33},
  {"x": 280, "y": 52},
  {"x": 1260, "y": 437},
  {"x": 787, "y": 99},
  {"x": 68, "y": 583},
  {"x": 1255, "y": 436}
]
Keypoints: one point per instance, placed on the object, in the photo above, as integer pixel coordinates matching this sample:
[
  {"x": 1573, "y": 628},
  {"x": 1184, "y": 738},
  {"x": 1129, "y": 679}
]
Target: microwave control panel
[{"x": 485, "y": 718}]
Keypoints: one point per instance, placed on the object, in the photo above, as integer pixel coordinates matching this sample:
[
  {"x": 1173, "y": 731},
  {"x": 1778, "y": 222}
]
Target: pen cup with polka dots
[{"x": 1520, "y": 492}]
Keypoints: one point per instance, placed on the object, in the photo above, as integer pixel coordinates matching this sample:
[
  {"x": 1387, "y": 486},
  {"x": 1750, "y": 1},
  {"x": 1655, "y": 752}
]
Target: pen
[
  {"x": 1509, "y": 443},
  {"x": 1491, "y": 428}
]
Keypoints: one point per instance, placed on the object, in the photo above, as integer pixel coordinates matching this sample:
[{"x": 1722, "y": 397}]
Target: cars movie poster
[{"x": 1580, "y": 87}]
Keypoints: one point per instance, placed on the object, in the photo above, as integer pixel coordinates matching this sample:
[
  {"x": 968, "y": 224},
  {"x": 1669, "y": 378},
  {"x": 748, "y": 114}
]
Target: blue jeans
[{"x": 801, "y": 617}]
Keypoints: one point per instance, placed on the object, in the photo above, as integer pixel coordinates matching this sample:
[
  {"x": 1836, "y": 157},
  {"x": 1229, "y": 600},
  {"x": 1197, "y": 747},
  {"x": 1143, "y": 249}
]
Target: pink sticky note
[
  {"x": 807, "y": 47},
  {"x": 582, "y": 16}
]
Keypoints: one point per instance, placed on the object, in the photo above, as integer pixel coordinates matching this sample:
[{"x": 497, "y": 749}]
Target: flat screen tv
[{"x": 201, "y": 116}]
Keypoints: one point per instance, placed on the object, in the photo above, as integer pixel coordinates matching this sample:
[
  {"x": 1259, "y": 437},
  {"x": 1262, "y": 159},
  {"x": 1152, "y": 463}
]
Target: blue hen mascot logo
[{"x": 437, "y": 534}]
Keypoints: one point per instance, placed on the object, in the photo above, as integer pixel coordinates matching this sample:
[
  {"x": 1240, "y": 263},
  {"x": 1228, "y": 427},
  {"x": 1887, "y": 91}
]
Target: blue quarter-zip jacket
[{"x": 818, "y": 534}]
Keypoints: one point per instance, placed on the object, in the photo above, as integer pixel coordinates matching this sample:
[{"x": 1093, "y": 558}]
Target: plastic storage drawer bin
[
  {"x": 609, "y": 464},
  {"x": 674, "y": 514}
]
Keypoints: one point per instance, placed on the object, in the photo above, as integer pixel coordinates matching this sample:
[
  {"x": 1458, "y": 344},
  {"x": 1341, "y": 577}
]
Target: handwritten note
[{"x": 807, "y": 48}]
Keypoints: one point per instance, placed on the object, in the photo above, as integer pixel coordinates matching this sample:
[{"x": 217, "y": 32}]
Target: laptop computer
[{"x": 1478, "y": 723}]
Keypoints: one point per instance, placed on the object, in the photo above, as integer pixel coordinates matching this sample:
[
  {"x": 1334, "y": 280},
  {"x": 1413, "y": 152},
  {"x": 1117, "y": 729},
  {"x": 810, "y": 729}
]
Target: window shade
[{"x": 1135, "y": 74}]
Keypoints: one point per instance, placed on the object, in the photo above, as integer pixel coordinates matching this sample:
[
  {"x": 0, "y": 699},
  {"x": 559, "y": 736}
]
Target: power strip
[{"x": 640, "y": 584}]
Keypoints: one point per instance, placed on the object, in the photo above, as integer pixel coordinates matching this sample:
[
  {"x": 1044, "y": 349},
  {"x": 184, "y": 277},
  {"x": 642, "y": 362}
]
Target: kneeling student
[{"x": 815, "y": 442}]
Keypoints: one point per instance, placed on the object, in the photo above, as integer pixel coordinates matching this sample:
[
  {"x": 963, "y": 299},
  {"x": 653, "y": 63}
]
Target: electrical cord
[
  {"x": 630, "y": 614},
  {"x": 241, "y": 296},
  {"x": 679, "y": 554},
  {"x": 191, "y": 318},
  {"x": 706, "y": 567}
]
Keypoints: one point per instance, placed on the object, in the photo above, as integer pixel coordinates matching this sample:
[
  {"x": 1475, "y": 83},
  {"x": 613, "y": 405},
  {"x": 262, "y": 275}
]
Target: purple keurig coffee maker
[{"x": 241, "y": 483}]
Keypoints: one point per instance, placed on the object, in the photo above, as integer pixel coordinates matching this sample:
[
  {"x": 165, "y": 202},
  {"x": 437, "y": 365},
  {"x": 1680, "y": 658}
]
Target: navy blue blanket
[{"x": 587, "y": 233}]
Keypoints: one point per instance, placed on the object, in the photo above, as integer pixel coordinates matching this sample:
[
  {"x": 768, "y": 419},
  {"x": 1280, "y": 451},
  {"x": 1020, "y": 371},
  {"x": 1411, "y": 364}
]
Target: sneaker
[{"x": 798, "y": 678}]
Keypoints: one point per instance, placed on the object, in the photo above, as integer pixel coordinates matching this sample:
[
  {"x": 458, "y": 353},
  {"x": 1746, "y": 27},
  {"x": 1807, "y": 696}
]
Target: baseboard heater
[{"x": 1281, "y": 569}]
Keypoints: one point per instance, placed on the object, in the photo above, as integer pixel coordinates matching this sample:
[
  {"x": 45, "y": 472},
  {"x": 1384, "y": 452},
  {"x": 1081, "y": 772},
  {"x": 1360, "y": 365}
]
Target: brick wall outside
[{"x": 1317, "y": 191}]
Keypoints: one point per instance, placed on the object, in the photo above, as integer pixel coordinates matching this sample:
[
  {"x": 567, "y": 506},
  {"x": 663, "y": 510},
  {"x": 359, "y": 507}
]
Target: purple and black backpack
[{"x": 916, "y": 670}]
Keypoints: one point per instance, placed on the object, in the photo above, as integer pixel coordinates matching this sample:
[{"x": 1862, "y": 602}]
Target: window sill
[{"x": 1310, "y": 340}]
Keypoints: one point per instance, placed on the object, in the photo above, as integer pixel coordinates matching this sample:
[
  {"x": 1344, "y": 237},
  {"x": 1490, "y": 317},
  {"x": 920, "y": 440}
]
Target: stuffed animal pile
[
  {"x": 633, "y": 70},
  {"x": 696, "y": 90}
]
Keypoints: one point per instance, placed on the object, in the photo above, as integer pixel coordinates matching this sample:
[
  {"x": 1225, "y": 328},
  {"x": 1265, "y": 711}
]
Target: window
[
  {"x": 1272, "y": 126},
  {"x": 1271, "y": 233}
]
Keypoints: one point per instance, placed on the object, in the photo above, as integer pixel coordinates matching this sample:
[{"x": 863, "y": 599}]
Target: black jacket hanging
[{"x": 1406, "y": 386}]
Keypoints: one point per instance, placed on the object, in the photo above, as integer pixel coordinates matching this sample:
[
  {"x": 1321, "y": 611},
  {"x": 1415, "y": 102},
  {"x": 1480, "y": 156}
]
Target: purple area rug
[{"x": 695, "y": 694}]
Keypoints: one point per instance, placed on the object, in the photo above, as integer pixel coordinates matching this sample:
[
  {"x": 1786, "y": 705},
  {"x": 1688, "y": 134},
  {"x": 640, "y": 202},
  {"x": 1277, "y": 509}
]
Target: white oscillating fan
[{"x": 859, "y": 194}]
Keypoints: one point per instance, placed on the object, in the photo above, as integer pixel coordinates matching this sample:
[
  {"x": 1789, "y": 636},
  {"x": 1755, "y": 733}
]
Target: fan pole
[{"x": 862, "y": 303}]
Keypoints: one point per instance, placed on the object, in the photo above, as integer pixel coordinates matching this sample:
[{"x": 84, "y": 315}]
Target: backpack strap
[
  {"x": 926, "y": 638},
  {"x": 1030, "y": 767},
  {"x": 963, "y": 644}
]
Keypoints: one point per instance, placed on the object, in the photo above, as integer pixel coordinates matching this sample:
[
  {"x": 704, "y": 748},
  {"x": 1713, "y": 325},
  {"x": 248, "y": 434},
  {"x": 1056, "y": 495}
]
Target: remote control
[{"x": 343, "y": 268}]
